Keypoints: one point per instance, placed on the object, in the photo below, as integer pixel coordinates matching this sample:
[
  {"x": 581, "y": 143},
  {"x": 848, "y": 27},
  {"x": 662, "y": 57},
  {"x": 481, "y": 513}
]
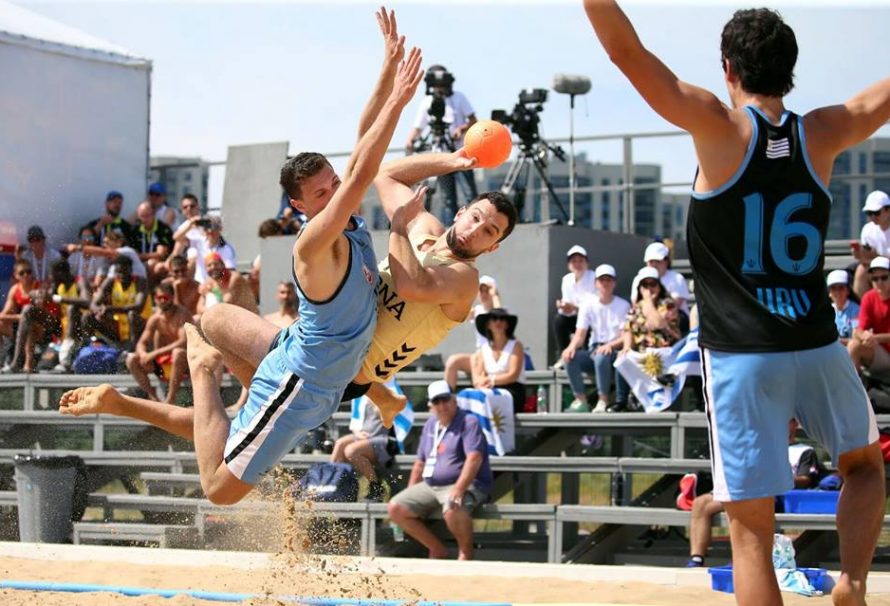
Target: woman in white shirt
[
  {"x": 576, "y": 285},
  {"x": 500, "y": 362}
]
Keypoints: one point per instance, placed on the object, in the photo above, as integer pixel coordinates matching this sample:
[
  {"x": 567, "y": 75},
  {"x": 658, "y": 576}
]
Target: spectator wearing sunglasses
[
  {"x": 874, "y": 239},
  {"x": 653, "y": 319},
  {"x": 17, "y": 299},
  {"x": 39, "y": 255},
  {"x": 870, "y": 346}
]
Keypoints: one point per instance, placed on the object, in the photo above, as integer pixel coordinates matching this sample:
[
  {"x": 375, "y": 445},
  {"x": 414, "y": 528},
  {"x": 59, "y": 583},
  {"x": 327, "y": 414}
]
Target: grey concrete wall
[
  {"x": 528, "y": 267},
  {"x": 251, "y": 194}
]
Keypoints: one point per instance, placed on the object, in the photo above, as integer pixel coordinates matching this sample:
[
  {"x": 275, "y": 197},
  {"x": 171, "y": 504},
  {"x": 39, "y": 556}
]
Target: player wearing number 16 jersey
[{"x": 757, "y": 225}]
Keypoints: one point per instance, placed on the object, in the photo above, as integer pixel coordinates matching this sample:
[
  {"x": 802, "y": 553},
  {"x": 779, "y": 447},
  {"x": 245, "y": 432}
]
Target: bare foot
[
  {"x": 202, "y": 356},
  {"x": 391, "y": 408},
  {"x": 464, "y": 556},
  {"x": 90, "y": 400},
  {"x": 438, "y": 554},
  {"x": 848, "y": 593}
]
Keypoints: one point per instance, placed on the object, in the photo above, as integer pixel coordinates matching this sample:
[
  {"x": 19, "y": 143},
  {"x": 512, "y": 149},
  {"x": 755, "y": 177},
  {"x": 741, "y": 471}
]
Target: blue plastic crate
[
  {"x": 810, "y": 501},
  {"x": 721, "y": 578}
]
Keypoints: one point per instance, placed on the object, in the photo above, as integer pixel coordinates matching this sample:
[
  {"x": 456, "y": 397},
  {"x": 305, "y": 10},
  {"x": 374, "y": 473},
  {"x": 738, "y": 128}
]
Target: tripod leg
[{"x": 553, "y": 197}]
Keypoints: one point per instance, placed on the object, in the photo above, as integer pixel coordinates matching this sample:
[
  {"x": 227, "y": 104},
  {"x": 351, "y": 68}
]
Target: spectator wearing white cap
[
  {"x": 576, "y": 285},
  {"x": 489, "y": 298},
  {"x": 870, "y": 346},
  {"x": 602, "y": 317},
  {"x": 874, "y": 239},
  {"x": 658, "y": 255},
  {"x": 450, "y": 477},
  {"x": 846, "y": 312}
]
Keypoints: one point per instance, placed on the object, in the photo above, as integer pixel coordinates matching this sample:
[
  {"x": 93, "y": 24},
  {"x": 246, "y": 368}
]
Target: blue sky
[{"x": 233, "y": 73}]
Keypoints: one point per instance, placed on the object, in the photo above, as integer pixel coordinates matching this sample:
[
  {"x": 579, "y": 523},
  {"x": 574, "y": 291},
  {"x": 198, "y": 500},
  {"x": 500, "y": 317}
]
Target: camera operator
[{"x": 449, "y": 115}]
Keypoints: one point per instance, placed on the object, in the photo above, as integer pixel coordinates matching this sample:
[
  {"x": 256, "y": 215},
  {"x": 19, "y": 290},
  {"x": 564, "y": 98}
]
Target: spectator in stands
[
  {"x": 500, "y": 362},
  {"x": 489, "y": 298},
  {"x": 18, "y": 298},
  {"x": 450, "y": 477},
  {"x": 874, "y": 239},
  {"x": 870, "y": 346},
  {"x": 658, "y": 255},
  {"x": 846, "y": 312},
  {"x": 805, "y": 466},
  {"x": 114, "y": 246},
  {"x": 86, "y": 267},
  {"x": 366, "y": 449},
  {"x": 213, "y": 242},
  {"x": 268, "y": 228},
  {"x": 224, "y": 286},
  {"x": 157, "y": 196},
  {"x": 161, "y": 348},
  {"x": 576, "y": 285},
  {"x": 39, "y": 255},
  {"x": 112, "y": 220},
  {"x": 73, "y": 298},
  {"x": 186, "y": 291},
  {"x": 189, "y": 234},
  {"x": 155, "y": 241},
  {"x": 602, "y": 317},
  {"x": 287, "y": 306},
  {"x": 289, "y": 222},
  {"x": 653, "y": 319},
  {"x": 120, "y": 305}
]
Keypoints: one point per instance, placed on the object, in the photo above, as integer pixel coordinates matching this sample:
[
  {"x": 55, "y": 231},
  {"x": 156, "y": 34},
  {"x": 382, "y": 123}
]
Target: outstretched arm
[
  {"x": 323, "y": 230},
  {"x": 835, "y": 128},
  {"x": 691, "y": 108},
  {"x": 413, "y": 281},
  {"x": 396, "y": 178}
]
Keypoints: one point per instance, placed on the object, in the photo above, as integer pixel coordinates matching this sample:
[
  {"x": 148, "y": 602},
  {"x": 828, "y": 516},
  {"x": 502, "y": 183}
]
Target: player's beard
[{"x": 458, "y": 250}]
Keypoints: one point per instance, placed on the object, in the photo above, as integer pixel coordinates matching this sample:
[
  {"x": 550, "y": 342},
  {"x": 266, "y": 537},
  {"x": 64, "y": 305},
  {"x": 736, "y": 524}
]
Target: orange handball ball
[{"x": 490, "y": 142}]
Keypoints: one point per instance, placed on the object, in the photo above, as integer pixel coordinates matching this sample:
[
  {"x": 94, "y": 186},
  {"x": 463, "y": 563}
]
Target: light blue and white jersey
[
  {"x": 327, "y": 345},
  {"x": 846, "y": 319}
]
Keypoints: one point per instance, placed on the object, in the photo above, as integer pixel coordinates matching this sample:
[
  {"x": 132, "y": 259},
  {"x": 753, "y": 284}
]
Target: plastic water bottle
[
  {"x": 398, "y": 535},
  {"x": 542, "y": 399}
]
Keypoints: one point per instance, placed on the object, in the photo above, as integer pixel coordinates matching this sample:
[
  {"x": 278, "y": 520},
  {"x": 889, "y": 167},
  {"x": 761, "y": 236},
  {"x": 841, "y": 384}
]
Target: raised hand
[
  {"x": 395, "y": 44},
  {"x": 412, "y": 207},
  {"x": 408, "y": 77}
]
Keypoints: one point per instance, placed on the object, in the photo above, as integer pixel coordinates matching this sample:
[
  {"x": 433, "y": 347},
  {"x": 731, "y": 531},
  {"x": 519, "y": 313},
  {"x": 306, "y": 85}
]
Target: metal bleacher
[{"x": 548, "y": 446}]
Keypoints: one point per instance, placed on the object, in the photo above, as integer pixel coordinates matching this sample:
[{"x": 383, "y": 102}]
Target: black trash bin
[{"x": 45, "y": 494}]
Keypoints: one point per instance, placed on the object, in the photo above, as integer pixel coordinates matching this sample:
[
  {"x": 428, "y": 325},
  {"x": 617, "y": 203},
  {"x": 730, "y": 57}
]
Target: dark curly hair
[
  {"x": 503, "y": 205},
  {"x": 762, "y": 50},
  {"x": 297, "y": 169}
]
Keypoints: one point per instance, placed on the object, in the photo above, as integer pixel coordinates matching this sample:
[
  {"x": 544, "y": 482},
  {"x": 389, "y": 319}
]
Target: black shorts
[{"x": 355, "y": 390}]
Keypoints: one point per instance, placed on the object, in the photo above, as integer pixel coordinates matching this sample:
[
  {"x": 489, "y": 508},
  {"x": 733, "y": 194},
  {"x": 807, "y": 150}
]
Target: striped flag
[
  {"x": 402, "y": 424},
  {"x": 778, "y": 148},
  {"x": 494, "y": 409}
]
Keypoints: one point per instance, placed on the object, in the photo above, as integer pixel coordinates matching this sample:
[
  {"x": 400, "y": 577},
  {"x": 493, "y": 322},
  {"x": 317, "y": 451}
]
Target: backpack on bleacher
[
  {"x": 329, "y": 482},
  {"x": 96, "y": 359}
]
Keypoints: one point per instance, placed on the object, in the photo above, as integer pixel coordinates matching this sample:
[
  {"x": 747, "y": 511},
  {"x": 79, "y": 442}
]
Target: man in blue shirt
[{"x": 450, "y": 477}]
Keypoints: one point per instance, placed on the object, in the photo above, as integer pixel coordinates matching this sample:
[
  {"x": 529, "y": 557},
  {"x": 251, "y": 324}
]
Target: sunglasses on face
[
  {"x": 882, "y": 278},
  {"x": 24, "y": 272},
  {"x": 872, "y": 213},
  {"x": 162, "y": 297},
  {"x": 648, "y": 283},
  {"x": 440, "y": 400}
]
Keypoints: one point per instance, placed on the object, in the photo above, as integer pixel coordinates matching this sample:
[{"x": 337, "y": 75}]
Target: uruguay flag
[
  {"x": 494, "y": 409},
  {"x": 641, "y": 369},
  {"x": 402, "y": 424}
]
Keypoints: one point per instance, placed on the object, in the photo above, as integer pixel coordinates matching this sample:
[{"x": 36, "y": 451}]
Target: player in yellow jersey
[{"x": 120, "y": 305}]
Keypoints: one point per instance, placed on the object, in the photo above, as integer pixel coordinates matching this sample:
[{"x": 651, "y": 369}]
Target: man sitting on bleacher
[
  {"x": 808, "y": 471},
  {"x": 450, "y": 477}
]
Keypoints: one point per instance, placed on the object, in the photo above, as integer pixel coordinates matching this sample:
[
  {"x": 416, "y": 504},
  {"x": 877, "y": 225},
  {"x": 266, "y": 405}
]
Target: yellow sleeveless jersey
[
  {"x": 405, "y": 329},
  {"x": 121, "y": 296},
  {"x": 70, "y": 292}
]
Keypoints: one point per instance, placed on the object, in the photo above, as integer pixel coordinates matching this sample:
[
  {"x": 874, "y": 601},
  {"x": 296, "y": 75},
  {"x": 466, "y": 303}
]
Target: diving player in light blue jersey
[{"x": 296, "y": 376}]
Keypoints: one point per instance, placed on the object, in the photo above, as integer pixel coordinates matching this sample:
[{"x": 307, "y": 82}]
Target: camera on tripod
[
  {"x": 524, "y": 118},
  {"x": 439, "y": 84}
]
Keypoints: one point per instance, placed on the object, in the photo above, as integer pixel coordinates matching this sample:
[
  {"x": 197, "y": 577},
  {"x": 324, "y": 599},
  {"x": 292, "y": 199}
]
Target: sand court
[{"x": 350, "y": 580}]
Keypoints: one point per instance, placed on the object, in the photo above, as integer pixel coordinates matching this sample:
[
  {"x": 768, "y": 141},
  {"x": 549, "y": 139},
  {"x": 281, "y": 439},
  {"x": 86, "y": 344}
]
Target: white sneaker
[
  {"x": 559, "y": 364},
  {"x": 601, "y": 406},
  {"x": 578, "y": 406}
]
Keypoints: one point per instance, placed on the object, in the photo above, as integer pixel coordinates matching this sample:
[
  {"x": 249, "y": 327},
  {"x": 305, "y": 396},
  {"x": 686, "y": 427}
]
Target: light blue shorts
[
  {"x": 751, "y": 397},
  {"x": 281, "y": 410}
]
